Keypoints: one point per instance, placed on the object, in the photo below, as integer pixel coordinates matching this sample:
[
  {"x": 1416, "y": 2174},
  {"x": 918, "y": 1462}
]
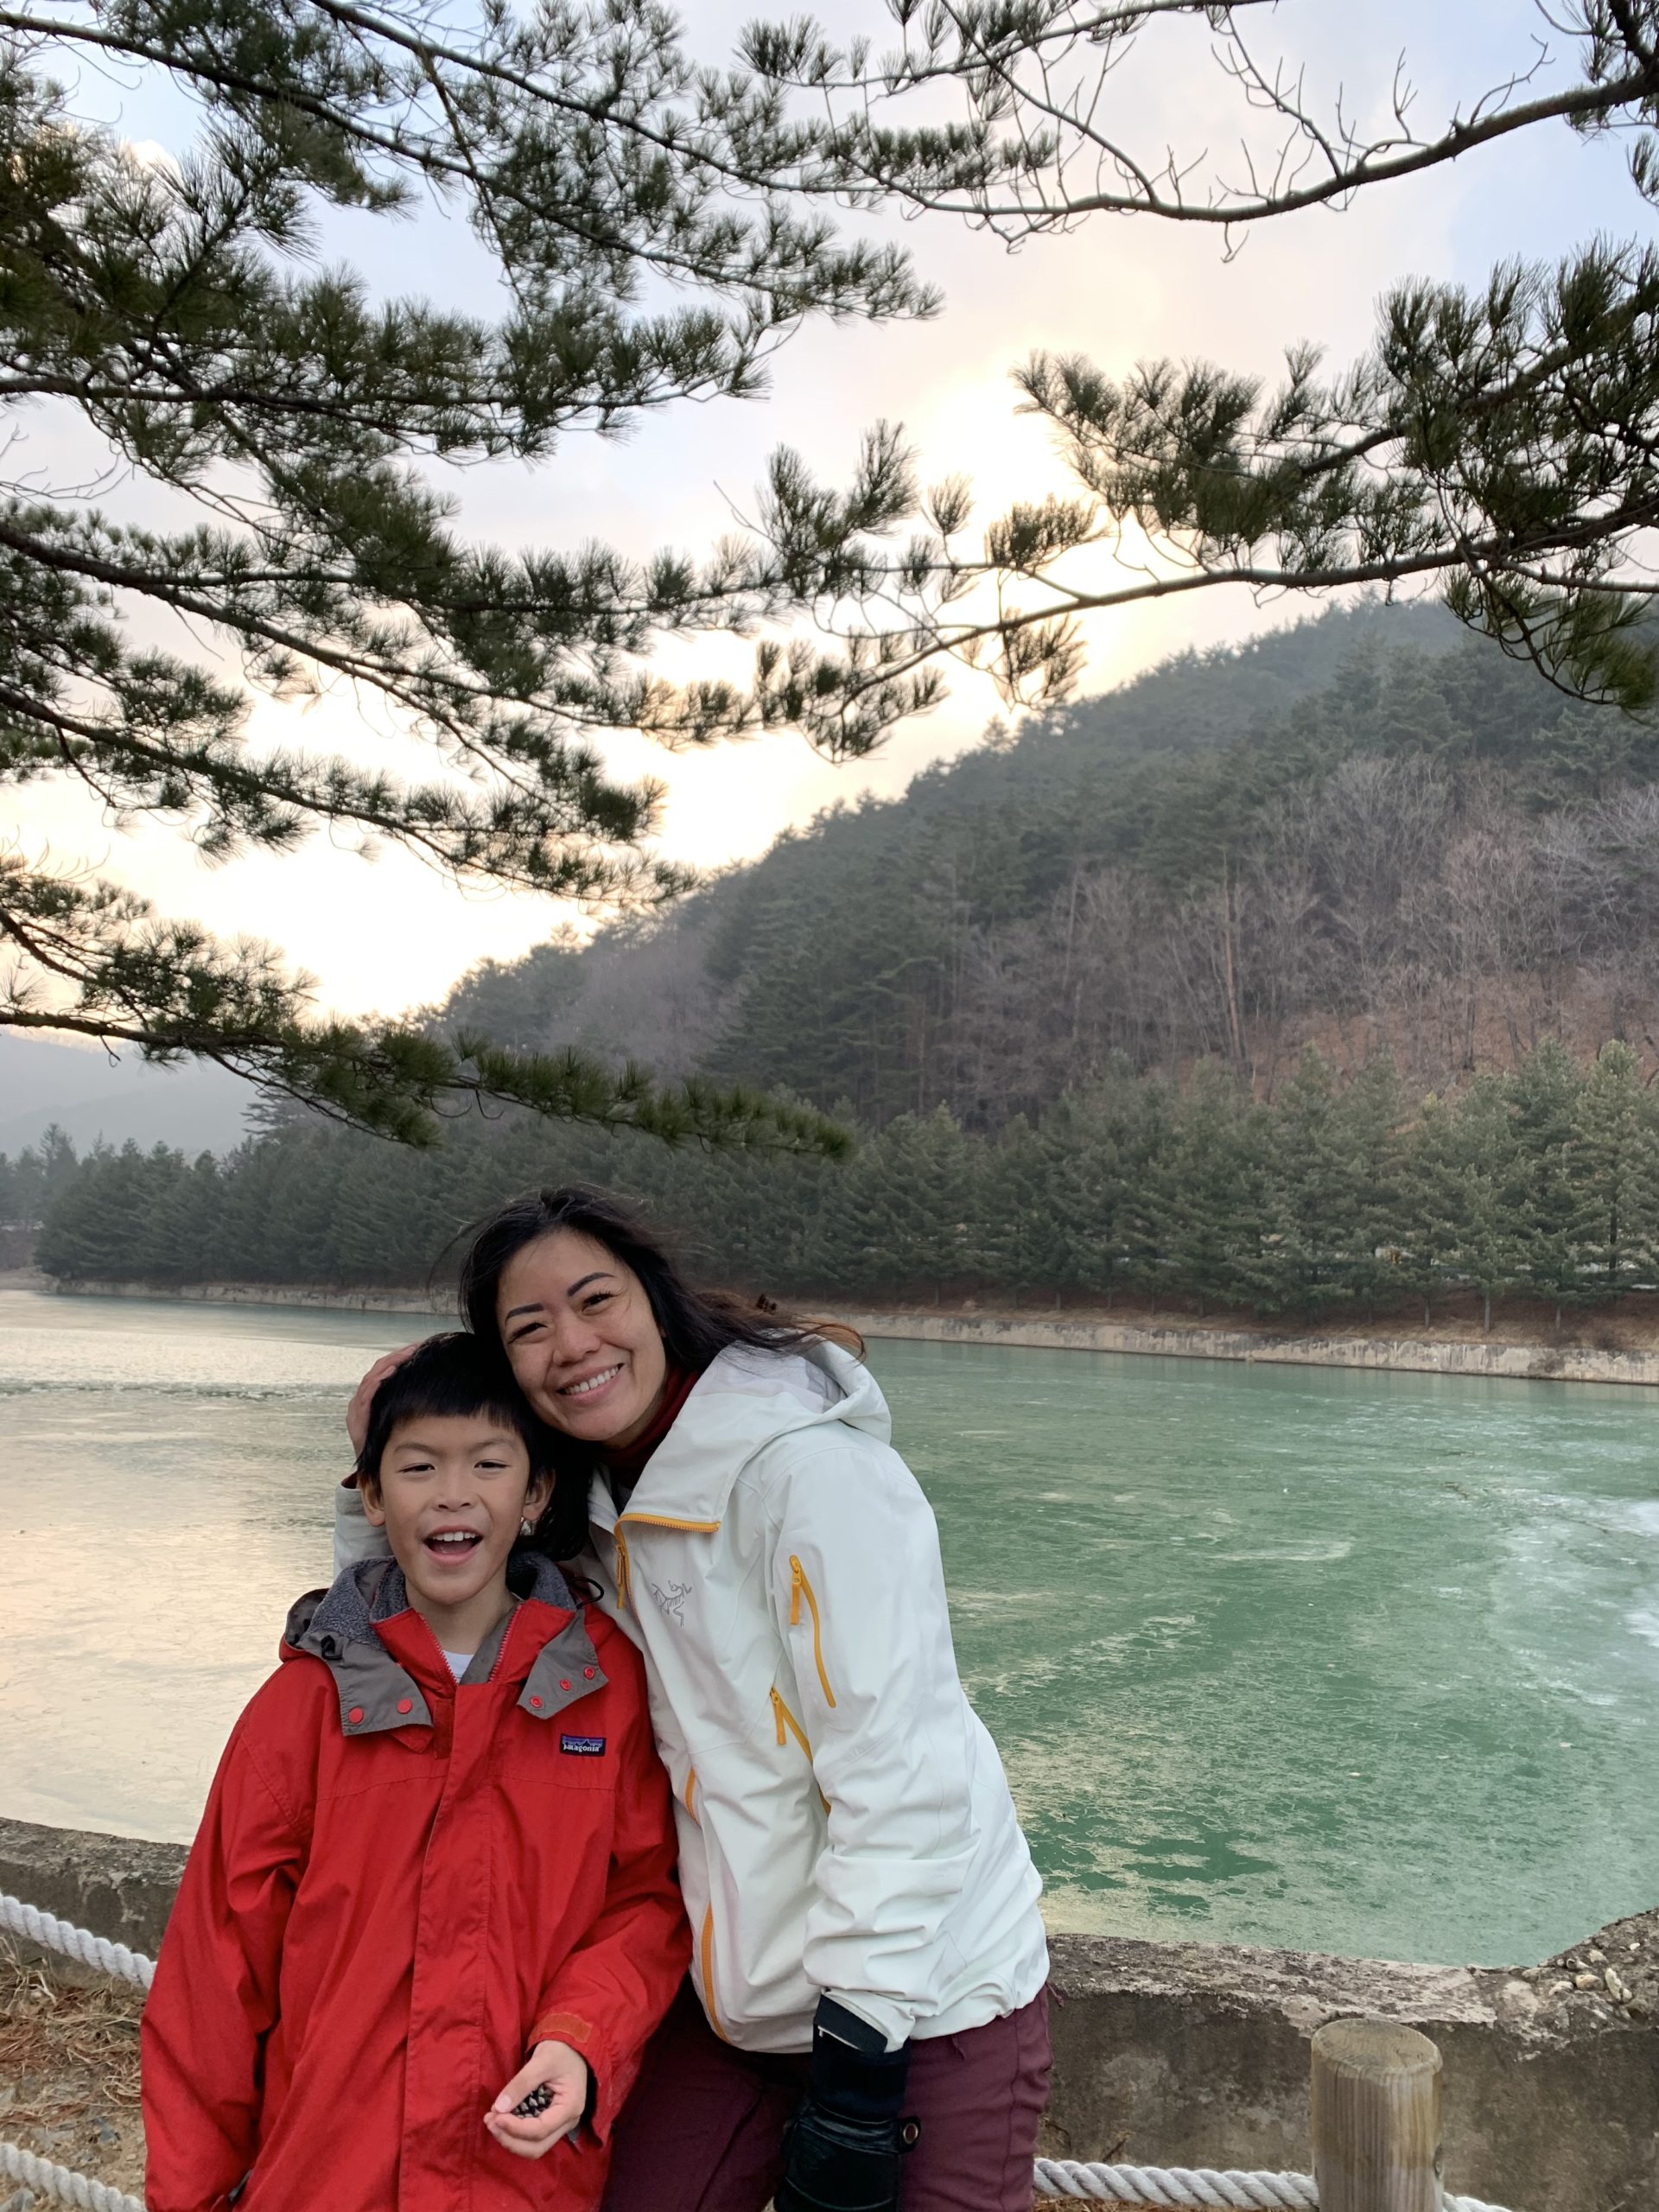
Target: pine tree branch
[
  {"x": 172, "y": 992},
  {"x": 1004, "y": 61},
  {"x": 155, "y": 298},
  {"x": 870, "y": 281}
]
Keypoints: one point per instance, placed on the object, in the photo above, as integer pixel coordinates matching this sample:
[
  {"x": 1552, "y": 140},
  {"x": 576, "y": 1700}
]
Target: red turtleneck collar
[{"x": 626, "y": 1462}]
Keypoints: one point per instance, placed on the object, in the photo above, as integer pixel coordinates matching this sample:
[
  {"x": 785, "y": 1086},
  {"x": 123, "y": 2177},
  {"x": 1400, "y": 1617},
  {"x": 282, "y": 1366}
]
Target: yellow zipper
[
  {"x": 788, "y": 1725},
  {"x": 624, "y": 1566},
  {"x": 706, "y": 1948},
  {"x": 799, "y": 1587},
  {"x": 666, "y": 1521},
  {"x": 690, "y": 1791}
]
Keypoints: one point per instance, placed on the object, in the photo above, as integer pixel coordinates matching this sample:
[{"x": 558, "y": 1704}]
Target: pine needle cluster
[
  {"x": 640, "y": 215},
  {"x": 1493, "y": 445}
]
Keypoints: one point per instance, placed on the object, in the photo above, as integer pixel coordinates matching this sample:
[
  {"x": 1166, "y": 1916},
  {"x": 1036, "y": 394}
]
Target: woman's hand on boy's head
[
  {"x": 563, "y": 2073},
  {"x": 356, "y": 1413}
]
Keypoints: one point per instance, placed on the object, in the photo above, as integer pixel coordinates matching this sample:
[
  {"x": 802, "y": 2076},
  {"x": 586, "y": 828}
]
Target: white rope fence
[
  {"x": 62, "y": 2186},
  {"x": 1201, "y": 2186},
  {"x": 1180, "y": 2186},
  {"x": 55, "y": 1935},
  {"x": 1175, "y": 2185}
]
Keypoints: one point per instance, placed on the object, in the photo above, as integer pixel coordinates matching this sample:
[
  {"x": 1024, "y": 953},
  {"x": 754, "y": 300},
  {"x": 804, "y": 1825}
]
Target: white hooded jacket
[{"x": 844, "y": 1822}]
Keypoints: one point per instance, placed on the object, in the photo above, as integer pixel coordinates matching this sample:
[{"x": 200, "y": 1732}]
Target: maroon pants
[{"x": 703, "y": 2129}]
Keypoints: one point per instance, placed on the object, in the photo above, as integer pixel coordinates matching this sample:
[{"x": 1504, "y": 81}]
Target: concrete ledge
[
  {"x": 117, "y": 1885},
  {"x": 1196, "y": 2055}
]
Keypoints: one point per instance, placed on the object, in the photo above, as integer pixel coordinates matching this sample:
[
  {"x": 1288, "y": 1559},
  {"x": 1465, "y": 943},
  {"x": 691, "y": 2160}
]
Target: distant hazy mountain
[{"x": 194, "y": 1109}]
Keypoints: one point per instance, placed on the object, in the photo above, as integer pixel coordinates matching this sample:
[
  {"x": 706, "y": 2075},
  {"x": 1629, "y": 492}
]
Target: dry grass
[{"x": 69, "y": 2071}]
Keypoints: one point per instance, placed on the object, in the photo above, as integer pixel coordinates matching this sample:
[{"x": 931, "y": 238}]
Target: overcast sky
[{"x": 387, "y": 933}]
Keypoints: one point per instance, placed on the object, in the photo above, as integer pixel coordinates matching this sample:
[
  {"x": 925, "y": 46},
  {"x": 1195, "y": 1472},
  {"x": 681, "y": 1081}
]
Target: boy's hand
[
  {"x": 559, "y": 2071},
  {"x": 356, "y": 1413}
]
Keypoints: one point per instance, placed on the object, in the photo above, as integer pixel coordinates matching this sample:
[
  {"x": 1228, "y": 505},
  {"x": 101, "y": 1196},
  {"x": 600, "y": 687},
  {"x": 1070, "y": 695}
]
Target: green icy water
[{"x": 1361, "y": 1662}]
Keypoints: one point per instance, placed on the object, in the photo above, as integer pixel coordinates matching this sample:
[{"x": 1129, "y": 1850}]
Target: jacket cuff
[
  {"x": 609, "y": 2080},
  {"x": 892, "y": 2023}
]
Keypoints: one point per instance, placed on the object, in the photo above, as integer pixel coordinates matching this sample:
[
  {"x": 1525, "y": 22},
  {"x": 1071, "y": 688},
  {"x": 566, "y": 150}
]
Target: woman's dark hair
[
  {"x": 455, "y": 1374},
  {"x": 696, "y": 1325}
]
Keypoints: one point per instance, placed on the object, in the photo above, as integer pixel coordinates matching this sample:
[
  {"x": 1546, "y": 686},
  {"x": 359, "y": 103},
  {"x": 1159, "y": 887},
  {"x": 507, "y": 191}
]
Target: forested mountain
[
  {"x": 1357, "y": 832},
  {"x": 1279, "y": 978}
]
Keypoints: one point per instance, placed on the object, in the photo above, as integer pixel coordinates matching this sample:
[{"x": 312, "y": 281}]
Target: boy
[{"x": 434, "y": 1879}]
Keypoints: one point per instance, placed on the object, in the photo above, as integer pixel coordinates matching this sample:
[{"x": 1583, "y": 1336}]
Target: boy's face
[{"x": 452, "y": 1489}]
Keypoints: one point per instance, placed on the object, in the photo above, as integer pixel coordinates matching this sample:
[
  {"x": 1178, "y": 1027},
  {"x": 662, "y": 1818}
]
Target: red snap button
[
  {"x": 537, "y": 1702},
  {"x": 564, "y": 1685},
  {"x": 590, "y": 1672},
  {"x": 355, "y": 1715},
  {"x": 405, "y": 1705}
]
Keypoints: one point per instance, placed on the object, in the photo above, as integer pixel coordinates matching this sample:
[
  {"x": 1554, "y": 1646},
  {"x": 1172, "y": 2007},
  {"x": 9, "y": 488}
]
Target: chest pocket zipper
[
  {"x": 799, "y": 1587},
  {"x": 625, "y": 1565},
  {"x": 788, "y": 1725}
]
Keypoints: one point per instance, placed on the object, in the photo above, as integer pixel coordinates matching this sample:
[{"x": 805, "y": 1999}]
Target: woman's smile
[{"x": 590, "y": 1385}]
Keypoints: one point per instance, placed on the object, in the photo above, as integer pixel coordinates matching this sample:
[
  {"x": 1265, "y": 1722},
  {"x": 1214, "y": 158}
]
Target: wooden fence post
[{"x": 1376, "y": 2118}]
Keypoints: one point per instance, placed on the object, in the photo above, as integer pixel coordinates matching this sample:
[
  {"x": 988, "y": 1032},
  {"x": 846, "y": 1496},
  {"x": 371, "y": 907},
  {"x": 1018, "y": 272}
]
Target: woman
[{"x": 869, "y": 1970}]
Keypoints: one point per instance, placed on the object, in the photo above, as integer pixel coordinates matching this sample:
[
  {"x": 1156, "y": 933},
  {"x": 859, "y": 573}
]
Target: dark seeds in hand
[{"x": 535, "y": 2104}]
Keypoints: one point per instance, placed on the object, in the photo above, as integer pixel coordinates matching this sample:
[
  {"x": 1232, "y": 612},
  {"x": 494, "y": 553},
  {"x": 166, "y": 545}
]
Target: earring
[{"x": 526, "y": 1527}]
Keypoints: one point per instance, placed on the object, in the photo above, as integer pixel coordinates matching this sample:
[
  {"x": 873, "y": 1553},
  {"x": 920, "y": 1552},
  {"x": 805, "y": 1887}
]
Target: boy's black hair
[{"x": 450, "y": 1375}]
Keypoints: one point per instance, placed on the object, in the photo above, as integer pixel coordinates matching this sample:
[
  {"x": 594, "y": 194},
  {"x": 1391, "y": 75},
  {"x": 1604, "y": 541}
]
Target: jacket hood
[
  {"x": 341, "y": 1627},
  {"x": 746, "y": 1400}
]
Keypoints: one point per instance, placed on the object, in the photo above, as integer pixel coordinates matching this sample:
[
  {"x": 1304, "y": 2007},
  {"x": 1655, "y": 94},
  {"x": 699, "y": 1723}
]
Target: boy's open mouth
[{"x": 453, "y": 1543}]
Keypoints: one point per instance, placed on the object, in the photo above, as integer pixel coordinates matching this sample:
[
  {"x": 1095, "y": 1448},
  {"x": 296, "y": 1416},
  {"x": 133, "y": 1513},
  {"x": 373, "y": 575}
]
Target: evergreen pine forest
[{"x": 1313, "y": 977}]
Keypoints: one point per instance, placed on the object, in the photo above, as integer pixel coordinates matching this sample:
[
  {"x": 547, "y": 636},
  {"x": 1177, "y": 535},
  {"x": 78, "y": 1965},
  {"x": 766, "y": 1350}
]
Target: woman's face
[{"x": 581, "y": 1336}]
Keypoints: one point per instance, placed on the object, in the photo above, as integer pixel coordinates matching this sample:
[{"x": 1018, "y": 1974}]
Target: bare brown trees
[{"x": 1384, "y": 912}]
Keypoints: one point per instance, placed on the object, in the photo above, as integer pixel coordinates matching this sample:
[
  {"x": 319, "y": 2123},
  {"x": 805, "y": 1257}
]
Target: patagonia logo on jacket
[{"x": 586, "y": 1747}]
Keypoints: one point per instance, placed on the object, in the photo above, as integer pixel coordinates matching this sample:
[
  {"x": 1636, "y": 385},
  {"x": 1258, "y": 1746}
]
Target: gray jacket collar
[{"x": 376, "y": 1692}]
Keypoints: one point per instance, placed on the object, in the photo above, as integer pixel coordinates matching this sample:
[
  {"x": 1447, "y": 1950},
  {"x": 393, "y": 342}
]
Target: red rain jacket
[{"x": 397, "y": 1887}]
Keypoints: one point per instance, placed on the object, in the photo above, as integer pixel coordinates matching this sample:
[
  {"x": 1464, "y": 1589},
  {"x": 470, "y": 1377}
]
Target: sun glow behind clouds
[{"x": 391, "y": 933}]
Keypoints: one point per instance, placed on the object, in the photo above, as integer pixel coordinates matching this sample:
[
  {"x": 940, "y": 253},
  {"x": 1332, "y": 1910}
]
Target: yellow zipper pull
[
  {"x": 624, "y": 1566},
  {"x": 796, "y": 1577},
  {"x": 778, "y": 1715}
]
